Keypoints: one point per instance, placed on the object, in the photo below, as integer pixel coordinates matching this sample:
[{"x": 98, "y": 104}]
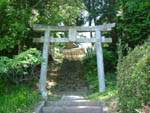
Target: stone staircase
[
  {"x": 70, "y": 77},
  {"x": 71, "y": 84},
  {"x": 73, "y": 104}
]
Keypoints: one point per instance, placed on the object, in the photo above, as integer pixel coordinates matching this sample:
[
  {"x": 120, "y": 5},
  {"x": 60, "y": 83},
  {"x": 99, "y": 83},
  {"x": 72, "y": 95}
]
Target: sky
[{"x": 87, "y": 34}]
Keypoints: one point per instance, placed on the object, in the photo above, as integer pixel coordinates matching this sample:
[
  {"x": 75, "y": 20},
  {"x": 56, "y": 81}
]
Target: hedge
[{"x": 133, "y": 75}]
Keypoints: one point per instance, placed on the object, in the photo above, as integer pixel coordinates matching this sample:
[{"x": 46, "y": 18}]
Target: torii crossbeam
[{"x": 73, "y": 38}]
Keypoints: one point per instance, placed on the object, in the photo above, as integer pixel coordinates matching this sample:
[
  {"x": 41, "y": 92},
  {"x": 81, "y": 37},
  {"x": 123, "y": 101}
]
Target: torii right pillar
[
  {"x": 99, "y": 50},
  {"x": 100, "y": 63}
]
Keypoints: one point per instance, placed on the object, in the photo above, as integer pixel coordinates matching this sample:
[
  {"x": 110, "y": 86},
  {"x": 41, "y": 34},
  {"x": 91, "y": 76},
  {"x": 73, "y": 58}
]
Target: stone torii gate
[{"x": 46, "y": 39}]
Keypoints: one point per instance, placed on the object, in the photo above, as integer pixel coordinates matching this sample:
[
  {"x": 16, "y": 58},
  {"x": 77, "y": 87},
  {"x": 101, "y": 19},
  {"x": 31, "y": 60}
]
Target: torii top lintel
[
  {"x": 72, "y": 33},
  {"x": 104, "y": 27}
]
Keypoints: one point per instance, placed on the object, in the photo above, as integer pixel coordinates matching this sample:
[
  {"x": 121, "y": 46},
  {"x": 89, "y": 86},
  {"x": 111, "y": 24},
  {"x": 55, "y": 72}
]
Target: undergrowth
[
  {"x": 111, "y": 89},
  {"x": 90, "y": 67},
  {"x": 110, "y": 95},
  {"x": 17, "y": 98}
]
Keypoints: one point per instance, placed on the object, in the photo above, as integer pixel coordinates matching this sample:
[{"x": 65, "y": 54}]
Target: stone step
[
  {"x": 74, "y": 103},
  {"x": 71, "y": 97},
  {"x": 75, "y": 93},
  {"x": 78, "y": 88},
  {"x": 73, "y": 109}
]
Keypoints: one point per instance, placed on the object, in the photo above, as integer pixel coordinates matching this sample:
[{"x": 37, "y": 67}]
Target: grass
[
  {"x": 111, "y": 89},
  {"x": 109, "y": 96},
  {"x": 21, "y": 98},
  {"x": 109, "y": 93}
]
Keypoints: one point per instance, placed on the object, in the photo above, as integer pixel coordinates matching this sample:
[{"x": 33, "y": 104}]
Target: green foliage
[
  {"x": 104, "y": 11},
  {"x": 134, "y": 21},
  {"x": 22, "y": 66},
  {"x": 59, "y": 12},
  {"x": 17, "y": 16},
  {"x": 14, "y": 28},
  {"x": 110, "y": 59},
  {"x": 17, "y": 98},
  {"x": 101, "y": 11},
  {"x": 133, "y": 79},
  {"x": 90, "y": 63}
]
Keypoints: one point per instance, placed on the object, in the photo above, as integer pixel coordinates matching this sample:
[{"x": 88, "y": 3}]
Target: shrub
[
  {"x": 22, "y": 66},
  {"x": 133, "y": 74}
]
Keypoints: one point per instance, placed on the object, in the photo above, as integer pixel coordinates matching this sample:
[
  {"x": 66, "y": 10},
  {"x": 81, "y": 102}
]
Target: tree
[
  {"x": 14, "y": 28},
  {"x": 134, "y": 21},
  {"x": 17, "y": 16},
  {"x": 57, "y": 12}
]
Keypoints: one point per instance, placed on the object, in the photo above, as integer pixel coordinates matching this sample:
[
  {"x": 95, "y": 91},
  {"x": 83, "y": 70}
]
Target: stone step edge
[
  {"x": 40, "y": 106},
  {"x": 68, "y": 108},
  {"x": 79, "y": 101},
  {"x": 74, "y": 103},
  {"x": 78, "y": 92}
]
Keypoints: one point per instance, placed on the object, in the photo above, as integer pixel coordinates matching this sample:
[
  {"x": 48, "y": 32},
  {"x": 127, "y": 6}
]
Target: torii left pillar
[{"x": 44, "y": 64}]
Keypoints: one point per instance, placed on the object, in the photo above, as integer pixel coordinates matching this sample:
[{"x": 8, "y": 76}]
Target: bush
[
  {"x": 133, "y": 74},
  {"x": 21, "y": 67}
]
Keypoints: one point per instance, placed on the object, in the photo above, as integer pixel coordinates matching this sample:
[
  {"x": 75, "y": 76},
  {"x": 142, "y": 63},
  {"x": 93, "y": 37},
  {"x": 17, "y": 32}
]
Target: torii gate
[{"x": 73, "y": 38}]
